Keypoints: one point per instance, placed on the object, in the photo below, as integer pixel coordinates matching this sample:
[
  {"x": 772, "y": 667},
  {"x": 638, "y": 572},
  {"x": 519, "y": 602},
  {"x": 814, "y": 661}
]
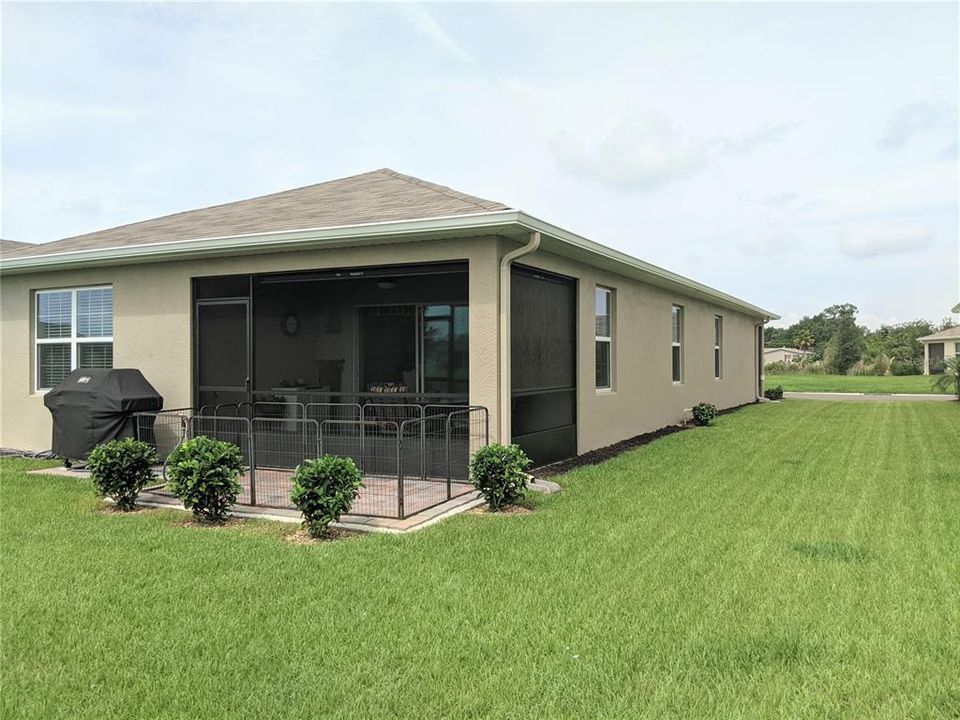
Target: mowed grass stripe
[{"x": 796, "y": 559}]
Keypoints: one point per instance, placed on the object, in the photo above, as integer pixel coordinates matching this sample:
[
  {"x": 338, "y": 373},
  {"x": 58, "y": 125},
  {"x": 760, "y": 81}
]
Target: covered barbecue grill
[{"x": 93, "y": 406}]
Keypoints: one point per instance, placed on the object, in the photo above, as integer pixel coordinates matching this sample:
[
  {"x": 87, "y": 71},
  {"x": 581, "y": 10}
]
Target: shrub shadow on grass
[
  {"x": 738, "y": 658},
  {"x": 832, "y": 550}
]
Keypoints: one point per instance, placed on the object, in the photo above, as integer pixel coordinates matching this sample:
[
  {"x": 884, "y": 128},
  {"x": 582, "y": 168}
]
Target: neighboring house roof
[
  {"x": 798, "y": 351},
  {"x": 11, "y": 246},
  {"x": 948, "y": 334},
  {"x": 381, "y": 206}
]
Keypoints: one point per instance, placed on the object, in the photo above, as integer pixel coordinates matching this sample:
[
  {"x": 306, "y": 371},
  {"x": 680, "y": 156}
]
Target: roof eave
[
  {"x": 495, "y": 222},
  {"x": 600, "y": 255}
]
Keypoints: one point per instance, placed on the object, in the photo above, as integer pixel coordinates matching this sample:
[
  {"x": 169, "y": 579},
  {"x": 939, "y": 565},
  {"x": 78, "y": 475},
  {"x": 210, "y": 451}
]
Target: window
[
  {"x": 717, "y": 347},
  {"x": 604, "y": 337},
  {"x": 676, "y": 350},
  {"x": 74, "y": 329}
]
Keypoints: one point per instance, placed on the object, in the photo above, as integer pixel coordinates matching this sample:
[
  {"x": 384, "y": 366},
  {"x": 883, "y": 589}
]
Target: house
[
  {"x": 784, "y": 355},
  {"x": 371, "y": 285},
  {"x": 938, "y": 348}
]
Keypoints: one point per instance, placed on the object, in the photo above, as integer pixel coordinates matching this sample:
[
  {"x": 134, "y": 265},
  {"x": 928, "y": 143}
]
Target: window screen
[
  {"x": 543, "y": 344},
  {"x": 717, "y": 347},
  {"x": 603, "y": 313},
  {"x": 676, "y": 349}
]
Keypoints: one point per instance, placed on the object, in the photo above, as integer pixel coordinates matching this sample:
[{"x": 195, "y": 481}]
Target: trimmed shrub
[
  {"x": 704, "y": 413},
  {"x": 774, "y": 393},
  {"x": 120, "y": 469},
  {"x": 905, "y": 367},
  {"x": 324, "y": 489},
  {"x": 203, "y": 473},
  {"x": 499, "y": 472}
]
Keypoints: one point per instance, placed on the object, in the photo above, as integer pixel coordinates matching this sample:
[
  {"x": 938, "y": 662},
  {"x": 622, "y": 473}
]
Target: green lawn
[
  {"x": 853, "y": 383},
  {"x": 799, "y": 559}
]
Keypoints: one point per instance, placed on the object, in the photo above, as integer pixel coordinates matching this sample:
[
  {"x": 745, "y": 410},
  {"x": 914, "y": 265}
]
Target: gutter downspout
[{"x": 505, "y": 262}]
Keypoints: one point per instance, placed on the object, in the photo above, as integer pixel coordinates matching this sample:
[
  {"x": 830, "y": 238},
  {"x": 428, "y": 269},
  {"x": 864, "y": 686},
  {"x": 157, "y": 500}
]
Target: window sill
[{"x": 606, "y": 391}]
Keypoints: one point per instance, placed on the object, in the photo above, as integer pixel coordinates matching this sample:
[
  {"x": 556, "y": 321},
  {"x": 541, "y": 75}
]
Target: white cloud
[
  {"x": 649, "y": 150},
  {"x": 641, "y": 153},
  {"x": 916, "y": 118},
  {"x": 770, "y": 240},
  {"x": 424, "y": 23},
  {"x": 870, "y": 240}
]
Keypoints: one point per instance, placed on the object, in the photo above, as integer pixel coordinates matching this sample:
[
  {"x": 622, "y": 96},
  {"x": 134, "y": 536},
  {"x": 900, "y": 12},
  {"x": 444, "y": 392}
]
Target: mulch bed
[
  {"x": 192, "y": 522},
  {"x": 110, "y": 509},
  {"x": 508, "y": 510},
  {"x": 595, "y": 457},
  {"x": 302, "y": 537}
]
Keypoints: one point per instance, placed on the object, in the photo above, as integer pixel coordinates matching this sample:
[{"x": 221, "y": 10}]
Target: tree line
[{"x": 835, "y": 340}]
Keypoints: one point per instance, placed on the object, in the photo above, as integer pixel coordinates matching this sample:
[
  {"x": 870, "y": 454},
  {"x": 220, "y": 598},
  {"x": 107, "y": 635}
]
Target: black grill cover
[{"x": 92, "y": 406}]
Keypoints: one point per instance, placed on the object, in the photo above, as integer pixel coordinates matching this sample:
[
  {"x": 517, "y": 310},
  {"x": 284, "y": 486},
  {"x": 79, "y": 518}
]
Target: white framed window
[
  {"x": 603, "y": 314},
  {"x": 73, "y": 329},
  {"x": 676, "y": 349},
  {"x": 717, "y": 347}
]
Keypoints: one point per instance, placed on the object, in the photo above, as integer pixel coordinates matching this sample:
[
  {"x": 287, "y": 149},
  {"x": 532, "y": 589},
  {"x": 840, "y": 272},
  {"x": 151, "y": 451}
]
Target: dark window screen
[
  {"x": 543, "y": 310},
  {"x": 543, "y": 339}
]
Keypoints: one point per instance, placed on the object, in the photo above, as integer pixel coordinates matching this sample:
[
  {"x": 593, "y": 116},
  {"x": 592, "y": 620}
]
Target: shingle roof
[
  {"x": 948, "y": 334},
  {"x": 11, "y": 246},
  {"x": 378, "y": 196}
]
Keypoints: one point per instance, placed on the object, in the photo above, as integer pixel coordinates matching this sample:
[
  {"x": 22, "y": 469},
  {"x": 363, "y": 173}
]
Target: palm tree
[
  {"x": 804, "y": 341},
  {"x": 950, "y": 377}
]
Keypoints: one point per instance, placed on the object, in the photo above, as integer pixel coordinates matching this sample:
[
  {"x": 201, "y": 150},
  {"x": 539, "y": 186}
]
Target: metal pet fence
[{"x": 413, "y": 457}]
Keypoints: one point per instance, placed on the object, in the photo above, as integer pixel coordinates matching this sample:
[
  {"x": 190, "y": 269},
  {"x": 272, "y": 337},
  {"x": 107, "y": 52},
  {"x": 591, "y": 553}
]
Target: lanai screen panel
[{"x": 543, "y": 364}]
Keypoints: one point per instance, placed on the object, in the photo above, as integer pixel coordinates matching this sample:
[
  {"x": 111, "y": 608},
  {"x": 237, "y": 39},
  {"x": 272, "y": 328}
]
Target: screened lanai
[{"x": 352, "y": 335}]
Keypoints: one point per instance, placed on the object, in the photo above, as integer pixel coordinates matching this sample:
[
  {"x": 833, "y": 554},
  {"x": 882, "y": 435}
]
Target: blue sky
[{"x": 794, "y": 155}]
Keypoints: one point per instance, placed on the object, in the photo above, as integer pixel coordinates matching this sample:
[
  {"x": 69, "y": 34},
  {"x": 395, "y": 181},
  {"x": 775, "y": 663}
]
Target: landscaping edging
[{"x": 595, "y": 457}]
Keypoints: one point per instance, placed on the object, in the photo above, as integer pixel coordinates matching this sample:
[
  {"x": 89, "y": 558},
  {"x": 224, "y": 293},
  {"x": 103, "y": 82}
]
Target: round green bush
[
  {"x": 773, "y": 393},
  {"x": 324, "y": 489},
  {"x": 120, "y": 469},
  {"x": 203, "y": 474},
  {"x": 499, "y": 472},
  {"x": 704, "y": 413}
]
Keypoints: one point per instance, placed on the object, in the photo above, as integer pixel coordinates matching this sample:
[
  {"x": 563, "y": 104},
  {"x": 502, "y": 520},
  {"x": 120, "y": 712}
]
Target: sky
[{"x": 796, "y": 156}]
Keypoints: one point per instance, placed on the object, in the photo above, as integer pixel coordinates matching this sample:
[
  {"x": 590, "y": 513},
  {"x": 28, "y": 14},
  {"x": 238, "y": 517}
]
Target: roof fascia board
[
  {"x": 497, "y": 221},
  {"x": 258, "y": 242},
  {"x": 597, "y": 254}
]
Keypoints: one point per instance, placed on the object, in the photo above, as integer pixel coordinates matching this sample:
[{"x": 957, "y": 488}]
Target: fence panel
[
  {"x": 234, "y": 430},
  {"x": 374, "y": 447},
  {"x": 468, "y": 430},
  {"x": 423, "y": 473},
  {"x": 279, "y": 445},
  {"x": 396, "y": 412},
  {"x": 163, "y": 430}
]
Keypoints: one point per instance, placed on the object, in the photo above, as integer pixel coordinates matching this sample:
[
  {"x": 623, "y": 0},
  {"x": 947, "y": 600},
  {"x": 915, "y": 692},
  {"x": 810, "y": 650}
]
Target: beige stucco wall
[
  {"x": 644, "y": 397},
  {"x": 152, "y": 331},
  {"x": 152, "y": 318}
]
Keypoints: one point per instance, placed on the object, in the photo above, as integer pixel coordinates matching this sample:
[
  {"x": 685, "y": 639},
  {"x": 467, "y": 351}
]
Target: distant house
[
  {"x": 784, "y": 355},
  {"x": 940, "y": 347}
]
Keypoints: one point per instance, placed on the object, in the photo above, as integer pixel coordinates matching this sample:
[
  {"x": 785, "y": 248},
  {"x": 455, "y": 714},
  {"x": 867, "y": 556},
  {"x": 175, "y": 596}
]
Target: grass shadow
[{"x": 832, "y": 550}]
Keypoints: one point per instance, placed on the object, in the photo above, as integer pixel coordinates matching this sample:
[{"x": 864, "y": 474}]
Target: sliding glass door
[
  {"x": 444, "y": 349},
  {"x": 415, "y": 348}
]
